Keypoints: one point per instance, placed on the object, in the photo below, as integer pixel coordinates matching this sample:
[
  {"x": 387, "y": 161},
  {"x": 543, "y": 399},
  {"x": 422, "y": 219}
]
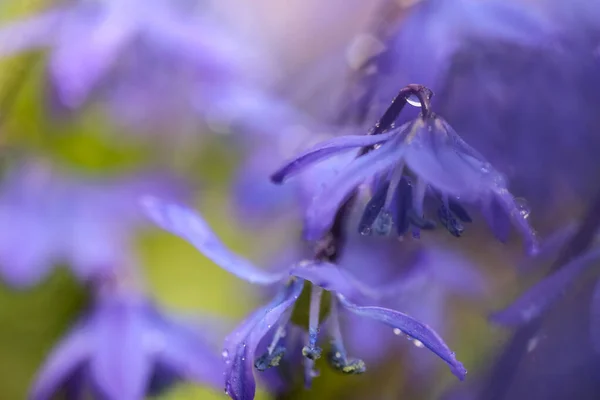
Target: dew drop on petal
[
  {"x": 366, "y": 231},
  {"x": 418, "y": 343},
  {"x": 413, "y": 101},
  {"x": 225, "y": 354},
  {"x": 523, "y": 207},
  {"x": 397, "y": 332}
]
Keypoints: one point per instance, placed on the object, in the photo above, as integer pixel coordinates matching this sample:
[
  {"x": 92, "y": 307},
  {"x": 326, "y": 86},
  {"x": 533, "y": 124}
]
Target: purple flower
[
  {"x": 124, "y": 348},
  {"x": 443, "y": 166},
  {"x": 422, "y": 47},
  {"x": 55, "y": 217},
  {"x": 241, "y": 345},
  {"x": 137, "y": 52}
]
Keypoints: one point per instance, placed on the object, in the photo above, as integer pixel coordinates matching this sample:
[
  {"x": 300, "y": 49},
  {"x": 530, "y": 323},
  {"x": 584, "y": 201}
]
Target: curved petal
[
  {"x": 528, "y": 234},
  {"x": 324, "y": 205},
  {"x": 63, "y": 362},
  {"x": 30, "y": 33},
  {"x": 240, "y": 345},
  {"x": 411, "y": 327},
  {"x": 121, "y": 365},
  {"x": 541, "y": 296},
  {"x": 190, "y": 226},
  {"x": 325, "y": 150}
]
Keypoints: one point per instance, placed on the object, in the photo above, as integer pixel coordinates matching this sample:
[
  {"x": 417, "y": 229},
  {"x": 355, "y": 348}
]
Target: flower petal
[
  {"x": 538, "y": 298},
  {"x": 325, "y": 204},
  {"x": 121, "y": 366},
  {"x": 62, "y": 363},
  {"x": 411, "y": 327},
  {"x": 432, "y": 154},
  {"x": 519, "y": 219},
  {"x": 240, "y": 346},
  {"x": 190, "y": 226},
  {"x": 325, "y": 150}
]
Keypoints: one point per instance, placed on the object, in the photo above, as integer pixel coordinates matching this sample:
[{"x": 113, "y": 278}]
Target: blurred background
[{"x": 102, "y": 102}]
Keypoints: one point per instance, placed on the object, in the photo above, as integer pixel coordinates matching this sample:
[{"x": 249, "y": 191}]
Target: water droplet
[
  {"x": 338, "y": 354},
  {"x": 413, "y": 101},
  {"x": 418, "y": 343},
  {"x": 366, "y": 231},
  {"x": 523, "y": 207},
  {"x": 486, "y": 168},
  {"x": 397, "y": 332},
  {"x": 225, "y": 354}
]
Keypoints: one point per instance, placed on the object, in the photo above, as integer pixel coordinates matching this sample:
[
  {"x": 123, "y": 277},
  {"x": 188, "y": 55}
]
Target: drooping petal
[
  {"x": 240, "y": 346},
  {"x": 519, "y": 219},
  {"x": 595, "y": 318},
  {"x": 411, "y": 327},
  {"x": 30, "y": 33},
  {"x": 432, "y": 155},
  {"x": 497, "y": 219},
  {"x": 325, "y": 203},
  {"x": 538, "y": 298},
  {"x": 190, "y": 226},
  {"x": 62, "y": 363},
  {"x": 327, "y": 149},
  {"x": 121, "y": 366}
]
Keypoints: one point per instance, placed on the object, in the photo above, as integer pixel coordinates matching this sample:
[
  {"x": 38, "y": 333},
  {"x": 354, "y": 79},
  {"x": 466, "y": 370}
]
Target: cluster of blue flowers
[{"x": 378, "y": 181}]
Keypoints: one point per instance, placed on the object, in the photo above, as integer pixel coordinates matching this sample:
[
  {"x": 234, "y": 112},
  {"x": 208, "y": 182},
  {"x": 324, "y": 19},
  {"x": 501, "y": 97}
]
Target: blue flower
[
  {"x": 441, "y": 165},
  {"x": 274, "y": 318},
  {"x": 60, "y": 218},
  {"x": 124, "y": 348}
]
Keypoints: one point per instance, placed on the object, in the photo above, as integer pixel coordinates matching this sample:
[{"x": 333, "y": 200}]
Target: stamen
[
  {"x": 459, "y": 211},
  {"x": 372, "y": 210},
  {"x": 274, "y": 353},
  {"x": 403, "y": 205},
  {"x": 312, "y": 351},
  {"x": 417, "y": 206},
  {"x": 447, "y": 219},
  {"x": 337, "y": 354}
]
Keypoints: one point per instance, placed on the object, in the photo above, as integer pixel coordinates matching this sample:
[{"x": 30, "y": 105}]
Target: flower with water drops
[
  {"x": 405, "y": 165},
  {"x": 274, "y": 319}
]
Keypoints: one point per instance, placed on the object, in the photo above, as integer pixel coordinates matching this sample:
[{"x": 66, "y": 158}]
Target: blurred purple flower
[
  {"x": 445, "y": 167},
  {"x": 140, "y": 54},
  {"x": 84, "y": 222},
  {"x": 125, "y": 348},
  {"x": 241, "y": 344},
  {"x": 421, "y": 49}
]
